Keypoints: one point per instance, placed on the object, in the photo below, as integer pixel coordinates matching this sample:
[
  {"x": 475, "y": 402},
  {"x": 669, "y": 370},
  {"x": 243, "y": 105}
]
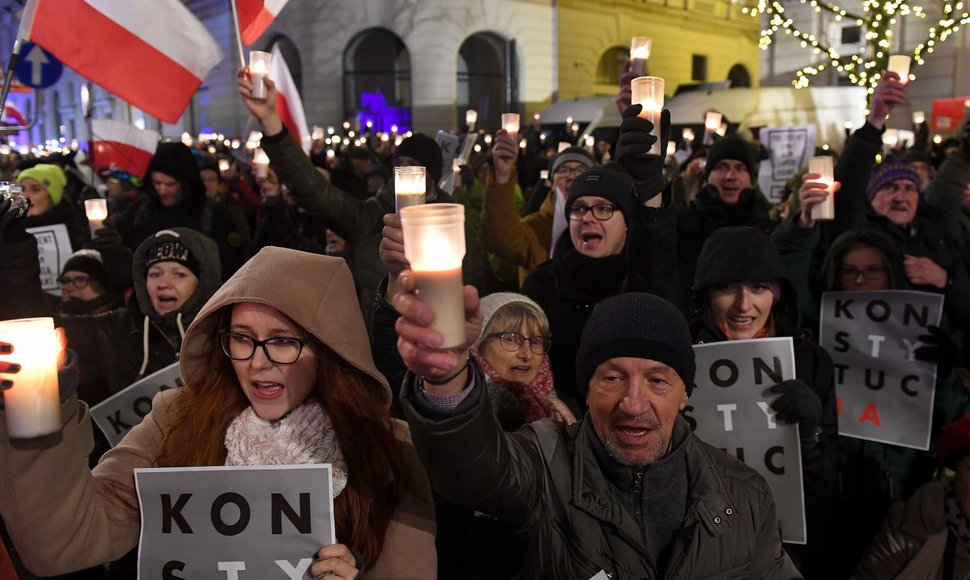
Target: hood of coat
[
  {"x": 316, "y": 292},
  {"x": 177, "y": 161},
  {"x": 206, "y": 253},
  {"x": 855, "y": 238},
  {"x": 744, "y": 254}
]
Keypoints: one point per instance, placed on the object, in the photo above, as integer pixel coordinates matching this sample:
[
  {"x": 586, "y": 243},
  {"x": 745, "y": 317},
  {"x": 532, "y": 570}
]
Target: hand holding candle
[
  {"x": 96, "y": 211},
  {"x": 434, "y": 244},
  {"x": 648, "y": 92},
  {"x": 259, "y": 62},
  {"x": 899, "y": 64},
  {"x": 32, "y": 399},
  {"x": 410, "y": 186}
]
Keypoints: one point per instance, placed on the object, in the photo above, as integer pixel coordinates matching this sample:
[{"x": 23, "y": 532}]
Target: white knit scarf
[{"x": 304, "y": 435}]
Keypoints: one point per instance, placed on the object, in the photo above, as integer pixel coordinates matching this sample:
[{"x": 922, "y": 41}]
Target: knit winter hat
[
  {"x": 734, "y": 148},
  {"x": 492, "y": 303},
  {"x": 48, "y": 175},
  {"x": 889, "y": 172},
  {"x": 602, "y": 182},
  {"x": 636, "y": 324},
  {"x": 577, "y": 154},
  {"x": 425, "y": 151},
  {"x": 166, "y": 247},
  {"x": 88, "y": 262}
]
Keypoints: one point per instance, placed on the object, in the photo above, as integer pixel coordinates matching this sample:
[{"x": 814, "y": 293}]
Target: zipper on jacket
[{"x": 637, "y": 490}]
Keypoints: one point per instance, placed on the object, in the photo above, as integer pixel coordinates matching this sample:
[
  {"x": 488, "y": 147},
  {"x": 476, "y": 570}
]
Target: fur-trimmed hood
[{"x": 316, "y": 292}]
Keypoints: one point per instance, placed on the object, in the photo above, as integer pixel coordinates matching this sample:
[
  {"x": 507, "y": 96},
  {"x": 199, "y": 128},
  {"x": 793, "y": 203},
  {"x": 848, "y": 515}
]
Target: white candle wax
[
  {"x": 258, "y": 69},
  {"x": 510, "y": 122},
  {"x": 33, "y": 403},
  {"x": 442, "y": 289},
  {"x": 96, "y": 211},
  {"x": 261, "y": 164},
  {"x": 410, "y": 186},
  {"x": 822, "y": 165},
  {"x": 899, "y": 64},
  {"x": 648, "y": 92}
]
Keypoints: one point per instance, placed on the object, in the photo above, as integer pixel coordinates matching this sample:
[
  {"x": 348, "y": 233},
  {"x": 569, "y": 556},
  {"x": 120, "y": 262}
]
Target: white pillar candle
[
  {"x": 33, "y": 407},
  {"x": 510, "y": 122},
  {"x": 899, "y": 64},
  {"x": 671, "y": 149},
  {"x": 639, "y": 53},
  {"x": 712, "y": 123},
  {"x": 410, "y": 186},
  {"x": 649, "y": 93},
  {"x": 261, "y": 164},
  {"x": 822, "y": 165},
  {"x": 471, "y": 117},
  {"x": 259, "y": 62},
  {"x": 544, "y": 174},
  {"x": 434, "y": 244},
  {"x": 96, "y": 211},
  {"x": 919, "y": 117}
]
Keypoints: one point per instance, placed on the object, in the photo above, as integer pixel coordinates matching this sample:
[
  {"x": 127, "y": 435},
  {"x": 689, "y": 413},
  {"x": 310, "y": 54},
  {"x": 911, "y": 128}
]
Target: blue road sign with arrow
[{"x": 37, "y": 67}]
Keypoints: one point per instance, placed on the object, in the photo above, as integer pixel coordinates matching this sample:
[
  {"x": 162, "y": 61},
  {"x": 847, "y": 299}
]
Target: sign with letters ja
[{"x": 884, "y": 393}]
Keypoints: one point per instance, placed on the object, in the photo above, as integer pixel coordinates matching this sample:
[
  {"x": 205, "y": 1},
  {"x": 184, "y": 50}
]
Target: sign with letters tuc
[
  {"x": 884, "y": 393},
  {"x": 730, "y": 408},
  {"x": 233, "y": 523},
  {"x": 117, "y": 414}
]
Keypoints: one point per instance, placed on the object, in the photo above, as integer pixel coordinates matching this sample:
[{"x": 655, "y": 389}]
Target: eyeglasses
[
  {"x": 872, "y": 273},
  {"x": 569, "y": 171},
  {"x": 282, "y": 350},
  {"x": 512, "y": 342},
  {"x": 76, "y": 281},
  {"x": 602, "y": 211}
]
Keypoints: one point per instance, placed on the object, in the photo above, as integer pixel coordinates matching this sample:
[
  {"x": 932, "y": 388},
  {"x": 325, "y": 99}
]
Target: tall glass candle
[
  {"x": 410, "y": 186},
  {"x": 919, "y": 117},
  {"x": 822, "y": 165},
  {"x": 259, "y": 62},
  {"x": 543, "y": 174},
  {"x": 712, "y": 122},
  {"x": 33, "y": 404},
  {"x": 96, "y": 211},
  {"x": 471, "y": 117},
  {"x": 649, "y": 93},
  {"x": 899, "y": 64},
  {"x": 434, "y": 244},
  {"x": 639, "y": 53},
  {"x": 510, "y": 122},
  {"x": 261, "y": 164}
]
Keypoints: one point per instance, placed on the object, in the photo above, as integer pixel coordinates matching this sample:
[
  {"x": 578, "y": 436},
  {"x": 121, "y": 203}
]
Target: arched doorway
[
  {"x": 377, "y": 80},
  {"x": 739, "y": 77},
  {"x": 611, "y": 65},
  {"x": 487, "y": 79}
]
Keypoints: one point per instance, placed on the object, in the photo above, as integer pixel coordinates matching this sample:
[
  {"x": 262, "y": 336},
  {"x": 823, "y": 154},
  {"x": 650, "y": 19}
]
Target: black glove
[
  {"x": 12, "y": 225},
  {"x": 632, "y": 146},
  {"x": 107, "y": 240},
  {"x": 798, "y": 403},
  {"x": 938, "y": 348}
]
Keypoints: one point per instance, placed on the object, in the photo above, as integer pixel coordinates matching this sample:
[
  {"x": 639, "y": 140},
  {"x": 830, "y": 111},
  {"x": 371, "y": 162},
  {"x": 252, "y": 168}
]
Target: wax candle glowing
[
  {"x": 95, "y": 210},
  {"x": 639, "y": 53},
  {"x": 563, "y": 145},
  {"x": 544, "y": 174},
  {"x": 434, "y": 244},
  {"x": 890, "y": 138},
  {"x": 471, "y": 117},
  {"x": 259, "y": 62},
  {"x": 261, "y": 164},
  {"x": 822, "y": 165},
  {"x": 410, "y": 186},
  {"x": 33, "y": 403},
  {"x": 648, "y": 92},
  {"x": 224, "y": 165},
  {"x": 919, "y": 117},
  {"x": 671, "y": 149},
  {"x": 712, "y": 123},
  {"x": 317, "y": 133},
  {"x": 510, "y": 122},
  {"x": 687, "y": 135},
  {"x": 899, "y": 64}
]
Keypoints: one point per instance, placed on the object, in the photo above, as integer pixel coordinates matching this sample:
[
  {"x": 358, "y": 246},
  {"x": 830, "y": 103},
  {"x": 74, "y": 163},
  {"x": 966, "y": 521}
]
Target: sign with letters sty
[
  {"x": 730, "y": 408},
  {"x": 884, "y": 393},
  {"x": 233, "y": 523}
]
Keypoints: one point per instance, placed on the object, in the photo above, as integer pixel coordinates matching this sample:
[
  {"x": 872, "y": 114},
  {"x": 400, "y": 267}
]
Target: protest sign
[
  {"x": 53, "y": 251},
  {"x": 450, "y": 145},
  {"x": 730, "y": 408},
  {"x": 789, "y": 148},
  {"x": 237, "y": 523},
  {"x": 884, "y": 393},
  {"x": 117, "y": 414}
]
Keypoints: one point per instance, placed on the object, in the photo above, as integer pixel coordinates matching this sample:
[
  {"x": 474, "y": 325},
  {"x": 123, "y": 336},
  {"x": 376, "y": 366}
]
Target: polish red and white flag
[
  {"x": 124, "y": 146},
  {"x": 255, "y": 16},
  {"x": 289, "y": 105},
  {"x": 154, "y": 54}
]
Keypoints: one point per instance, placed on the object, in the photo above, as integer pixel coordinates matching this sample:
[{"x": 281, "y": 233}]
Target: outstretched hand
[
  {"x": 632, "y": 151},
  {"x": 263, "y": 110},
  {"x": 888, "y": 93}
]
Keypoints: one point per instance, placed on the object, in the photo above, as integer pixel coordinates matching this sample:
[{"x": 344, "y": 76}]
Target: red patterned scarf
[{"x": 532, "y": 396}]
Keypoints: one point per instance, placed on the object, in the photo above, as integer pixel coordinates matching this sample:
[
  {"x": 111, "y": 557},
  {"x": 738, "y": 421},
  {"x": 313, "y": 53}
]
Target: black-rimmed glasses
[
  {"x": 512, "y": 342},
  {"x": 281, "y": 350},
  {"x": 873, "y": 273},
  {"x": 76, "y": 281},
  {"x": 601, "y": 211}
]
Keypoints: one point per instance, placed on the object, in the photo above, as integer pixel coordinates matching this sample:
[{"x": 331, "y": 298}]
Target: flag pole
[
  {"x": 235, "y": 24},
  {"x": 11, "y": 66}
]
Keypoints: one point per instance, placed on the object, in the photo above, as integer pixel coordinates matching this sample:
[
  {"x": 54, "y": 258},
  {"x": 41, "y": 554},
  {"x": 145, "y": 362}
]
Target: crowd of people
[{"x": 552, "y": 443}]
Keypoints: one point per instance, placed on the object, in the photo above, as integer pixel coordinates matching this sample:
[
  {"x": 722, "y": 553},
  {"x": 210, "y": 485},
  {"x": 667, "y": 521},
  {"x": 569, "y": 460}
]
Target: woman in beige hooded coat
[{"x": 278, "y": 370}]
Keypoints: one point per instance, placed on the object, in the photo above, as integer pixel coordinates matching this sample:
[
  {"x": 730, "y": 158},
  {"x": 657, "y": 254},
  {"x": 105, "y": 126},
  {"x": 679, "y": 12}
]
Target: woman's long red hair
[{"x": 377, "y": 474}]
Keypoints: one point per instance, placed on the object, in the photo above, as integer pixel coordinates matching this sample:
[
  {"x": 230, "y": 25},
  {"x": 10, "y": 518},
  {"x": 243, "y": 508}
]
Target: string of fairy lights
[{"x": 877, "y": 19}]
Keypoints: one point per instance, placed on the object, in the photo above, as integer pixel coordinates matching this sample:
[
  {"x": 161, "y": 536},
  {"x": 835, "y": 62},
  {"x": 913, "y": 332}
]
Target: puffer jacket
[
  {"x": 63, "y": 517},
  {"x": 546, "y": 481}
]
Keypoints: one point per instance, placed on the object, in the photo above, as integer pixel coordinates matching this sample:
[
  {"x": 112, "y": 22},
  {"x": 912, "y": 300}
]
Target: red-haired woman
[{"x": 274, "y": 374}]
